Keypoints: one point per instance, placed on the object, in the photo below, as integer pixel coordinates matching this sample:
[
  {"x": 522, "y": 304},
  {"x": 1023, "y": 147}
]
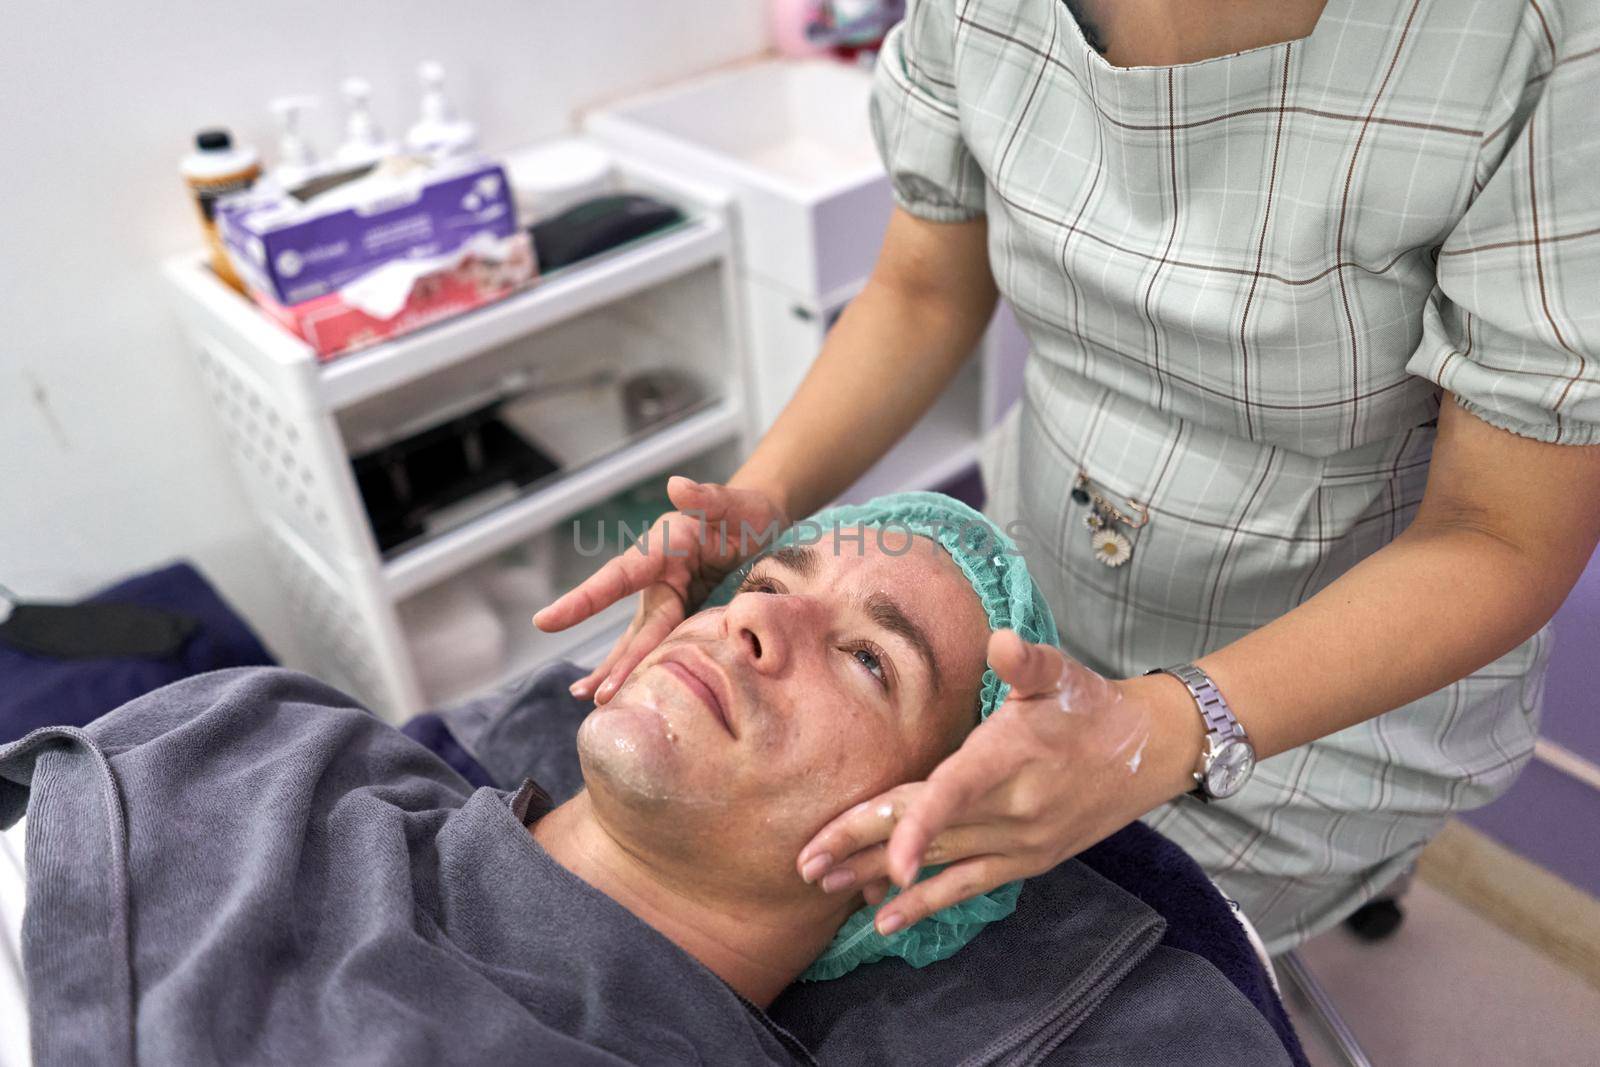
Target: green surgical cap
[{"x": 995, "y": 567}]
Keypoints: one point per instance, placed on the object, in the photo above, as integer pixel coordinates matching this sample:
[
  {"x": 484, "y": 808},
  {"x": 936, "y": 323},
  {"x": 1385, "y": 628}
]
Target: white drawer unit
[{"x": 668, "y": 302}]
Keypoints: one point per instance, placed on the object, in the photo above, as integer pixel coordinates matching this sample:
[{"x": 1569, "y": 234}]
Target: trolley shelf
[
  {"x": 663, "y": 450},
  {"x": 220, "y": 312},
  {"x": 568, "y": 293}
]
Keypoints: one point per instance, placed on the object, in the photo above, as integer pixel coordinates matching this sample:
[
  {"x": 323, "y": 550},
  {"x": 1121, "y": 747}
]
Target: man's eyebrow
[
  {"x": 798, "y": 558},
  {"x": 886, "y": 613},
  {"x": 805, "y": 561}
]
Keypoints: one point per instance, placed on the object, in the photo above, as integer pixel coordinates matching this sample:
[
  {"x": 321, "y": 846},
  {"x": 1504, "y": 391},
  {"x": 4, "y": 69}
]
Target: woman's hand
[
  {"x": 679, "y": 561},
  {"x": 1068, "y": 759}
]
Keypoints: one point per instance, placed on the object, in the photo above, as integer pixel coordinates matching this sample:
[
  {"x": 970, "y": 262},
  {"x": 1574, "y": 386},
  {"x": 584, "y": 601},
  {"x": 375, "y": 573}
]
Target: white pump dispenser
[
  {"x": 439, "y": 132},
  {"x": 297, "y": 161},
  {"x": 363, "y": 139}
]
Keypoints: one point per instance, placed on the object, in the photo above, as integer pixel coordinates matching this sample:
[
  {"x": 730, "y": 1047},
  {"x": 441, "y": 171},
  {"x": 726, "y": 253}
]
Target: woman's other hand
[
  {"x": 682, "y": 557},
  {"x": 1068, "y": 759}
]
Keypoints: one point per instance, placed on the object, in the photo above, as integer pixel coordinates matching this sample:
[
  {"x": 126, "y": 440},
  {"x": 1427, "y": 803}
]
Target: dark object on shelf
[
  {"x": 324, "y": 182},
  {"x": 96, "y": 631},
  {"x": 47, "y": 690},
  {"x": 657, "y": 396},
  {"x": 405, "y": 483},
  {"x": 599, "y": 225},
  {"x": 1376, "y": 919}
]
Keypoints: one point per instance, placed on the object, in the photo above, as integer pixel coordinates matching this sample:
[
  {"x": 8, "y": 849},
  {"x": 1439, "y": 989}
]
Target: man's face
[{"x": 834, "y": 674}]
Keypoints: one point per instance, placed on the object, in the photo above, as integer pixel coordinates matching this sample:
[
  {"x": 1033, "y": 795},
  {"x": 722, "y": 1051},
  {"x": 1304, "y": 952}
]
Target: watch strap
[
  {"x": 1214, "y": 710},
  {"x": 1220, "y": 723}
]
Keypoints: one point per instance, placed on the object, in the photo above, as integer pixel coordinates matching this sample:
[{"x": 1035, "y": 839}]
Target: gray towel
[{"x": 246, "y": 867}]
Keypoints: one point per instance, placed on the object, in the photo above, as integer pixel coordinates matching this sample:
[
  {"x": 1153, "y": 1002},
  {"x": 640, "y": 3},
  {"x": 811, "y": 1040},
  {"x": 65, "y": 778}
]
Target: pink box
[{"x": 333, "y": 327}]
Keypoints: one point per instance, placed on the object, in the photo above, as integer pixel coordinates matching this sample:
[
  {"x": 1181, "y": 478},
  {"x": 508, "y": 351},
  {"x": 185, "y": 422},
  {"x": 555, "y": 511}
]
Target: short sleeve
[
  {"x": 914, "y": 118},
  {"x": 1513, "y": 327}
]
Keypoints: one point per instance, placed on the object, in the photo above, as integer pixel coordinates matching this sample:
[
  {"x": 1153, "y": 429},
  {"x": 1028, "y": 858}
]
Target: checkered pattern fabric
[{"x": 1246, "y": 282}]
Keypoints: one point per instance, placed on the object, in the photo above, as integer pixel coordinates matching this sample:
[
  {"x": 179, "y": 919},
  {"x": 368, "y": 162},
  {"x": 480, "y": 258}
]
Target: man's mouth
[{"x": 702, "y": 679}]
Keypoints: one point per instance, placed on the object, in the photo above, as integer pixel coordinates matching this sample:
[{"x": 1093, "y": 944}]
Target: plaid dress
[{"x": 1246, "y": 282}]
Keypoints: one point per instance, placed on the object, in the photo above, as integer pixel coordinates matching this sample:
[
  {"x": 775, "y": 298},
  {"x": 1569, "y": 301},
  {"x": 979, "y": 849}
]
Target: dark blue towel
[
  {"x": 429, "y": 731},
  {"x": 1199, "y": 920},
  {"x": 43, "y": 691}
]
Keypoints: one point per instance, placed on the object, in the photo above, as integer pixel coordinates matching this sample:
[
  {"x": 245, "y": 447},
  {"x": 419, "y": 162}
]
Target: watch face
[{"x": 1230, "y": 768}]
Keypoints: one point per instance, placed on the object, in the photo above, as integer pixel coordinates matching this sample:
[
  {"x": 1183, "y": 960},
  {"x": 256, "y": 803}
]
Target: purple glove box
[{"x": 294, "y": 255}]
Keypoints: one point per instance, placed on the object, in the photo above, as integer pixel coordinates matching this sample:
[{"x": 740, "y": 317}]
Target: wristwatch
[{"x": 1228, "y": 759}]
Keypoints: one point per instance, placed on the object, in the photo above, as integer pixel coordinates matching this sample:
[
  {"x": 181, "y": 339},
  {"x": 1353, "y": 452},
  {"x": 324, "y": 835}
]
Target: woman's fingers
[
  {"x": 587, "y": 686},
  {"x": 659, "y": 621},
  {"x": 684, "y": 549},
  {"x": 853, "y": 872},
  {"x": 584, "y": 687},
  {"x": 619, "y": 577},
  {"x": 949, "y": 794},
  {"x": 957, "y": 882},
  {"x": 1032, "y": 670},
  {"x": 868, "y": 823},
  {"x": 871, "y": 864},
  {"x": 716, "y": 520},
  {"x": 685, "y": 492},
  {"x": 700, "y": 506},
  {"x": 737, "y": 522},
  {"x": 713, "y": 518},
  {"x": 875, "y": 892}
]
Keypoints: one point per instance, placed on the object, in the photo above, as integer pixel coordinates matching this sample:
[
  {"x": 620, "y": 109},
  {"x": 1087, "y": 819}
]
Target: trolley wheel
[{"x": 1376, "y": 920}]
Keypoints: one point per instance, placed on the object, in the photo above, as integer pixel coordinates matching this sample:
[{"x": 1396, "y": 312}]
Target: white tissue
[{"x": 383, "y": 292}]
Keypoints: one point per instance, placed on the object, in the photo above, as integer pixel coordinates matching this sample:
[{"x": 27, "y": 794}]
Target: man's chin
[{"x": 636, "y": 755}]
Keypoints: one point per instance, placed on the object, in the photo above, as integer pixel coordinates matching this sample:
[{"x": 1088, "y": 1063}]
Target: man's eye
[
  {"x": 753, "y": 584},
  {"x": 868, "y": 657}
]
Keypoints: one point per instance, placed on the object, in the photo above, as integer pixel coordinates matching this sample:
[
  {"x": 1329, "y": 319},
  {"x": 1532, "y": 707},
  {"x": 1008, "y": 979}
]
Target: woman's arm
[
  {"x": 1505, "y": 528},
  {"x": 885, "y": 362}
]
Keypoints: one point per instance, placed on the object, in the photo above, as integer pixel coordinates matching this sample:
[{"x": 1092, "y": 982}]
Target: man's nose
[{"x": 763, "y": 627}]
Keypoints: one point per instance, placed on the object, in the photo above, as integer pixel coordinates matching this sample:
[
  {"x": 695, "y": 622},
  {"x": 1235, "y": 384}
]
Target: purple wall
[
  {"x": 1572, "y": 694},
  {"x": 1550, "y": 817}
]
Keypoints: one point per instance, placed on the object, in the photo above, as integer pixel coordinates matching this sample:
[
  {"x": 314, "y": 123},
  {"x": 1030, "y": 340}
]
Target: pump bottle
[
  {"x": 440, "y": 132},
  {"x": 364, "y": 142}
]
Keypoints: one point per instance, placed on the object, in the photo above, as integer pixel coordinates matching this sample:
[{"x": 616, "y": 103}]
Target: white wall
[{"x": 109, "y": 462}]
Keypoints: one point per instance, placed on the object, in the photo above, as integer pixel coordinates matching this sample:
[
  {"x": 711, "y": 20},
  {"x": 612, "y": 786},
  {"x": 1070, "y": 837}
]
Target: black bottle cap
[{"x": 213, "y": 140}]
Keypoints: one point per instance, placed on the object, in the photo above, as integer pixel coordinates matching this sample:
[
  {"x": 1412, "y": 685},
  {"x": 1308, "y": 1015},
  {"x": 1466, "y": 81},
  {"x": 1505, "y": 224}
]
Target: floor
[{"x": 1450, "y": 987}]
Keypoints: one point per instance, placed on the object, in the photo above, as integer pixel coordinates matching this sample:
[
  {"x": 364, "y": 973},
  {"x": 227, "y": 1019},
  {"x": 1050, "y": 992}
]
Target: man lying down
[{"x": 246, "y": 866}]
